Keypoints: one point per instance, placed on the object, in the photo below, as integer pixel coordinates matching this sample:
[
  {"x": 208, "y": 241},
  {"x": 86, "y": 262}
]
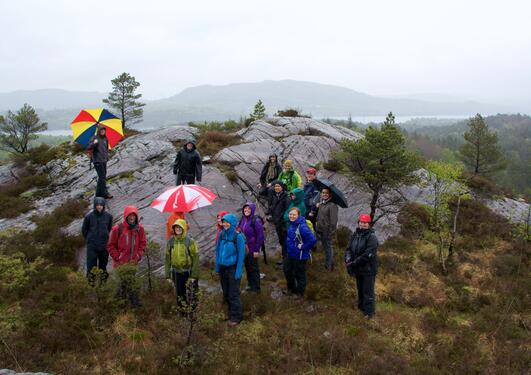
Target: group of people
[{"x": 302, "y": 215}]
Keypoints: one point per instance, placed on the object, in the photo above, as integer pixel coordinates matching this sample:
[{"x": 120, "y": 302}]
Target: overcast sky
[{"x": 474, "y": 49}]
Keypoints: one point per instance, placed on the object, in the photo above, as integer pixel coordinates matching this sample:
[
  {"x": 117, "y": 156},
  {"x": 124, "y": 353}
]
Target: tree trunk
[
  {"x": 454, "y": 228},
  {"x": 374, "y": 201}
]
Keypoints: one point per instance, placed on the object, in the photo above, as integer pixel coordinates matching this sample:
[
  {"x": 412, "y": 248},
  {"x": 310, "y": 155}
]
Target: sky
[{"x": 469, "y": 49}]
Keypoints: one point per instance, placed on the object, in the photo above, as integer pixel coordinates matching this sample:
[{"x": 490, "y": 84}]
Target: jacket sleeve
[
  {"x": 333, "y": 218},
  {"x": 259, "y": 233},
  {"x": 194, "y": 253},
  {"x": 240, "y": 244},
  {"x": 308, "y": 238},
  {"x": 198, "y": 167},
  {"x": 369, "y": 253},
  {"x": 298, "y": 180},
  {"x": 109, "y": 225},
  {"x": 263, "y": 174},
  {"x": 91, "y": 144},
  {"x": 167, "y": 260},
  {"x": 85, "y": 227},
  {"x": 142, "y": 242},
  {"x": 218, "y": 244},
  {"x": 112, "y": 245},
  {"x": 177, "y": 163},
  {"x": 348, "y": 252}
]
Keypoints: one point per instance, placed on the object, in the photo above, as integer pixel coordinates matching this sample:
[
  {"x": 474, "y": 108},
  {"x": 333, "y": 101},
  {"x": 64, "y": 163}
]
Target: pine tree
[
  {"x": 124, "y": 100},
  {"x": 481, "y": 153},
  {"x": 381, "y": 162},
  {"x": 259, "y": 111},
  {"x": 18, "y": 129}
]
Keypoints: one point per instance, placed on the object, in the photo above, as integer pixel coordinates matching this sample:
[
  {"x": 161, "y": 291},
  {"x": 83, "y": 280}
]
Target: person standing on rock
[
  {"x": 182, "y": 266},
  {"x": 126, "y": 246},
  {"x": 99, "y": 147},
  {"x": 299, "y": 243},
  {"x": 95, "y": 229},
  {"x": 362, "y": 263},
  {"x": 219, "y": 222},
  {"x": 230, "y": 254},
  {"x": 326, "y": 225},
  {"x": 311, "y": 195},
  {"x": 277, "y": 206},
  {"x": 252, "y": 226},
  {"x": 270, "y": 173},
  {"x": 290, "y": 177},
  {"x": 187, "y": 165}
]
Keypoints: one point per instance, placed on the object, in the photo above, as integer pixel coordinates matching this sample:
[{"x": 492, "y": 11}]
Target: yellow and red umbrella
[{"x": 87, "y": 122}]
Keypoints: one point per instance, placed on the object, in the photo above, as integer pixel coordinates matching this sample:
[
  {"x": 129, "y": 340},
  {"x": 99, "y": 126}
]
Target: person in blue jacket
[
  {"x": 299, "y": 243},
  {"x": 230, "y": 254}
]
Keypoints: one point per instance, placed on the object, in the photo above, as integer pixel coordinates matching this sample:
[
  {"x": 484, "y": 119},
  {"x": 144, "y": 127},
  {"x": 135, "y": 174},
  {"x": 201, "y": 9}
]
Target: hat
[
  {"x": 311, "y": 171},
  {"x": 288, "y": 163}
]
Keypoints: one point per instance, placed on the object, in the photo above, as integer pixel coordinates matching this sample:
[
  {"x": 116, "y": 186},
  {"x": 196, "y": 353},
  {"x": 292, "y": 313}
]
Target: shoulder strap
[{"x": 187, "y": 242}]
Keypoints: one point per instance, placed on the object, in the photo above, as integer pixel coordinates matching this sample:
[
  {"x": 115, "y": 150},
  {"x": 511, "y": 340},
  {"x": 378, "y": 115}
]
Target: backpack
[
  {"x": 187, "y": 242},
  {"x": 299, "y": 237}
]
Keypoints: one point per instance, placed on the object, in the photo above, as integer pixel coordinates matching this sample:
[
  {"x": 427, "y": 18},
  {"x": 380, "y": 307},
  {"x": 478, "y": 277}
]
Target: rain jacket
[
  {"x": 311, "y": 195},
  {"x": 361, "y": 253},
  {"x": 291, "y": 179},
  {"x": 277, "y": 204},
  {"x": 326, "y": 222},
  {"x": 188, "y": 163},
  {"x": 100, "y": 150},
  {"x": 263, "y": 174},
  {"x": 230, "y": 247},
  {"x": 220, "y": 227},
  {"x": 96, "y": 226},
  {"x": 298, "y": 202},
  {"x": 254, "y": 234},
  {"x": 171, "y": 221},
  {"x": 298, "y": 233},
  {"x": 180, "y": 258},
  {"x": 131, "y": 244}
]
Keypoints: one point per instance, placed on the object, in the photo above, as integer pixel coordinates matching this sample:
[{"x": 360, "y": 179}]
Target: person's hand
[
  {"x": 268, "y": 185},
  {"x": 95, "y": 141},
  {"x": 300, "y": 246},
  {"x": 259, "y": 186},
  {"x": 256, "y": 255},
  {"x": 310, "y": 214},
  {"x": 317, "y": 205}
]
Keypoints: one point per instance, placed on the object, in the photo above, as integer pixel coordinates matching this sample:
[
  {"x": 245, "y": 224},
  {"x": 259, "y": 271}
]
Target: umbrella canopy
[
  {"x": 337, "y": 195},
  {"x": 183, "y": 198},
  {"x": 86, "y": 124}
]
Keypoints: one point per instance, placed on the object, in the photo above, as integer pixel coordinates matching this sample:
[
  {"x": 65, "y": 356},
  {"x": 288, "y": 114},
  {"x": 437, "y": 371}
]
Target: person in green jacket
[
  {"x": 182, "y": 265},
  {"x": 290, "y": 177},
  {"x": 297, "y": 200}
]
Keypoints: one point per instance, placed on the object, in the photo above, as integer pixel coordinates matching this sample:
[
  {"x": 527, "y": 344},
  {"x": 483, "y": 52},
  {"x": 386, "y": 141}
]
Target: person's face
[
  {"x": 287, "y": 168},
  {"x": 247, "y": 211},
  {"x": 99, "y": 208},
  {"x": 177, "y": 230},
  {"x": 278, "y": 188},
  {"x": 273, "y": 159},
  {"x": 219, "y": 220},
  {"x": 363, "y": 225},
  {"x": 189, "y": 146},
  {"x": 102, "y": 131},
  {"x": 292, "y": 196},
  {"x": 226, "y": 224},
  {"x": 310, "y": 177},
  {"x": 325, "y": 194},
  {"x": 293, "y": 215},
  {"x": 131, "y": 219}
]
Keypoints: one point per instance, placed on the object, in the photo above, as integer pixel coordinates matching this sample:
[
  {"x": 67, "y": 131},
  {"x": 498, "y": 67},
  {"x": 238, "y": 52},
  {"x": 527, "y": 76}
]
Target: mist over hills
[{"x": 210, "y": 102}]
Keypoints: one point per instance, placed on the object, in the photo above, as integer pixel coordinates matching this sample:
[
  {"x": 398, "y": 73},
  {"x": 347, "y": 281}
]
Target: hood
[
  {"x": 189, "y": 141},
  {"x": 130, "y": 210},
  {"x": 100, "y": 200},
  {"x": 181, "y": 223},
  {"x": 252, "y": 206},
  {"x": 299, "y": 196},
  {"x": 279, "y": 182},
  {"x": 221, "y": 214},
  {"x": 301, "y": 219},
  {"x": 233, "y": 220}
]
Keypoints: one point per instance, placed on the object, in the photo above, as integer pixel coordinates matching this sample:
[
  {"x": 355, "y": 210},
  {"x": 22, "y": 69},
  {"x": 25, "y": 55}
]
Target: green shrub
[
  {"x": 414, "y": 219},
  {"x": 332, "y": 164}
]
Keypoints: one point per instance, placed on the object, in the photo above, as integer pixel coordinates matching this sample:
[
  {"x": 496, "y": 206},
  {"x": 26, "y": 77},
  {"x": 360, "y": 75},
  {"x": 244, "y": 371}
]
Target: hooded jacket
[
  {"x": 230, "y": 247},
  {"x": 188, "y": 162},
  {"x": 100, "y": 150},
  {"x": 131, "y": 244},
  {"x": 311, "y": 194},
  {"x": 171, "y": 221},
  {"x": 263, "y": 174},
  {"x": 254, "y": 234},
  {"x": 96, "y": 226},
  {"x": 178, "y": 257},
  {"x": 326, "y": 222},
  {"x": 361, "y": 253},
  {"x": 298, "y": 233},
  {"x": 291, "y": 179},
  {"x": 297, "y": 202},
  {"x": 277, "y": 204}
]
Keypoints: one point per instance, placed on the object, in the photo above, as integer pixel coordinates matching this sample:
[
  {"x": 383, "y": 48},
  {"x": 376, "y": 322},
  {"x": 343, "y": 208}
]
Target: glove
[{"x": 175, "y": 169}]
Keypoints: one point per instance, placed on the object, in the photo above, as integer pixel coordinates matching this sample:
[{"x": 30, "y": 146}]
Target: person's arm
[
  {"x": 112, "y": 245},
  {"x": 194, "y": 253},
  {"x": 308, "y": 238},
  {"x": 167, "y": 260},
  {"x": 259, "y": 233},
  {"x": 85, "y": 227},
  {"x": 218, "y": 244},
  {"x": 333, "y": 218},
  {"x": 263, "y": 174},
  {"x": 198, "y": 168},
  {"x": 109, "y": 224},
  {"x": 240, "y": 248},
  {"x": 143, "y": 243},
  {"x": 298, "y": 180},
  {"x": 369, "y": 253},
  {"x": 348, "y": 252},
  {"x": 177, "y": 163}
]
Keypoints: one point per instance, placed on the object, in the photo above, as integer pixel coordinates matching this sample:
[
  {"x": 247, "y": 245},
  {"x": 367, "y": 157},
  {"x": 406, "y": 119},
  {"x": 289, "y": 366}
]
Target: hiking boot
[{"x": 233, "y": 323}]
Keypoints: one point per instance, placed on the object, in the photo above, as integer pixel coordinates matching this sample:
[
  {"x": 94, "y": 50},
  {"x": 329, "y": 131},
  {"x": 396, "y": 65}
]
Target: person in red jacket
[
  {"x": 219, "y": 225},
  {"x": 127, "y": 243}
]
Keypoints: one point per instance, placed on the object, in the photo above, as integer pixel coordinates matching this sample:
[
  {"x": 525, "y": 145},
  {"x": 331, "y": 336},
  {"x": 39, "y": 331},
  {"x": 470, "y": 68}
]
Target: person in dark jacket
[
  {"x": 187, "y": 165},
  {"x": 311, "y": 195},
  {"x": 277, "y": 206},
  {"x": 99, "y": 146},
  {"x": 252, "y": 227},
  {"x": 326, "y": 225},
  {"x": 299, "y": 243},
  {"x": 270, "y": 173},
  {"x": 230, "y": 253},
  {"x": 95, "y": 229},
  {"x": 362, "y": 262}
]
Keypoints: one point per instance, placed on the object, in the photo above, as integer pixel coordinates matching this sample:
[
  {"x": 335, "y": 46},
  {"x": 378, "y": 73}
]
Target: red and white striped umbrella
[{"x": 183, "y": 198}]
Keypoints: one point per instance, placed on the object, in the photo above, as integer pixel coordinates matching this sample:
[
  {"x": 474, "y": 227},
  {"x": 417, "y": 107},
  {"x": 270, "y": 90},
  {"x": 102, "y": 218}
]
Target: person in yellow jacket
[{"x": 182, "y": 266}]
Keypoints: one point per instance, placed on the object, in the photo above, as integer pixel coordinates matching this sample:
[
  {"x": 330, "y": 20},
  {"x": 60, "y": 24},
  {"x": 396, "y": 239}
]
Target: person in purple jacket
[{"x": 252, "y": 227}]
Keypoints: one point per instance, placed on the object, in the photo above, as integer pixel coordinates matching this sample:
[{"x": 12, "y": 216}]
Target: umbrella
[
  {"x": 337, "y": 195},
  {"x": 183, "y": 198},
  {"x": 86, "y": 124}
]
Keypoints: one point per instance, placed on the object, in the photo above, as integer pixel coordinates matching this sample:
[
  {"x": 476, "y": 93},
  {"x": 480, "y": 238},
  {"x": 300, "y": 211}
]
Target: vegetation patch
[{"x": 13, "y": 201}]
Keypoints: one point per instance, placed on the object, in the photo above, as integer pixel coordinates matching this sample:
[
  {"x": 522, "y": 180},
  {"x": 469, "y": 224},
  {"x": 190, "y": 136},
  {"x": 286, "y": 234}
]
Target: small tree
[
  {"x": 18, "y": 129},
  {"x": 480, "y": 152},
  {"x": 259, "y": 111},
  {"x": 381, "y": 162},
  {"x": 124, "y": 100}
]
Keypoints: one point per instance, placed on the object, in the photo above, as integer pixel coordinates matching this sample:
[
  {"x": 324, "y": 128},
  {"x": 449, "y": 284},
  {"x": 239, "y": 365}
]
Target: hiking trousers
[
  {"x": 97, "y": 258},
  {"x": 101, "y": 186},
  {"x": 366, "y": 298},
  {"x": 295, "y": 273},
  {"x": 185, "y": 179},
  {"x": 186, "y": 294},
  {"x": 253, "y": 272},
  {"x": 231, "y": 292}
]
